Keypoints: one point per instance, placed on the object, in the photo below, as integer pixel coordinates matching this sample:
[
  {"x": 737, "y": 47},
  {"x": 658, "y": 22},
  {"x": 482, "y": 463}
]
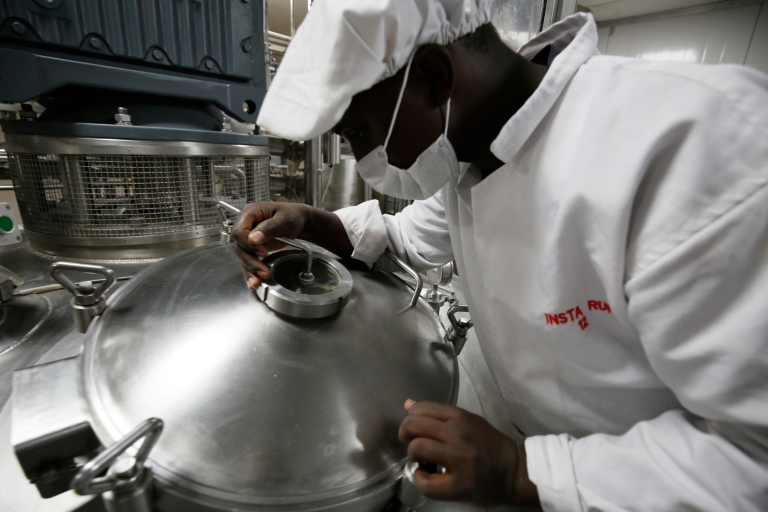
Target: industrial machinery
[{"x": 141, "y": 130}]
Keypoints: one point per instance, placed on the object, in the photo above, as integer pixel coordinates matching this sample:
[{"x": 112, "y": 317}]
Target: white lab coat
[{"x": 616, "y": 268}]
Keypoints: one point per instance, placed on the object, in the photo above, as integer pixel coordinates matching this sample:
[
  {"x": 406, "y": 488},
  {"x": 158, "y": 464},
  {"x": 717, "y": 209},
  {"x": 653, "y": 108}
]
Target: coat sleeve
[
  {"x": 419, "y": 234},
  {"x": 701, "y": 311}
]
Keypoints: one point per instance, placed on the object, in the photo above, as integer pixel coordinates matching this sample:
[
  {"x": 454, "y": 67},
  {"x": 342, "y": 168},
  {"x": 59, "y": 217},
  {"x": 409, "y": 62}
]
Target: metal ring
[
  {"x": 17, "y": 143},
  {"x": 121, "y": 241},
  {"x": 298, "y": 305}
]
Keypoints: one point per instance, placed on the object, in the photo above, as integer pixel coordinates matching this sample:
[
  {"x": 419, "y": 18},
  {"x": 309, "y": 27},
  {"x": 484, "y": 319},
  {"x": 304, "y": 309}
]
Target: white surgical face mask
[{"x": 435, "y": 167}]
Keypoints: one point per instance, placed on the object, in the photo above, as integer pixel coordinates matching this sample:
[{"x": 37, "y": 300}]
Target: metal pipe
[
  {"x": 367, "y": 191},
  {"x": 332, "y": 143},
  {"x": 278, "y": 36},
  {"x": 313, "y": 171},
  {"x": 293, "y": 30}
]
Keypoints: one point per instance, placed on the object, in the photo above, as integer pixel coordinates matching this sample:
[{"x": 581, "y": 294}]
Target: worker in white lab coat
[{"x": 609, "y": 219}]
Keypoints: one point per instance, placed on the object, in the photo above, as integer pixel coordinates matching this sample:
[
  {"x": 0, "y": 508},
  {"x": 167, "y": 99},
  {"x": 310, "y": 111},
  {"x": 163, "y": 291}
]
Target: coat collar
[{"x": 576, "y": 38}]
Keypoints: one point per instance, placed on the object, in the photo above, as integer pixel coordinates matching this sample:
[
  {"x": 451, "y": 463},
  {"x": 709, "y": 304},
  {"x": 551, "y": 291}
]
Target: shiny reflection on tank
[{"x": 258, "y": 404}]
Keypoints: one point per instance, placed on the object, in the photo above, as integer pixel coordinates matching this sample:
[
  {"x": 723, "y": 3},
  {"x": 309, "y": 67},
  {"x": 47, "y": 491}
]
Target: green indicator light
[{"x": 6, "y": 224}]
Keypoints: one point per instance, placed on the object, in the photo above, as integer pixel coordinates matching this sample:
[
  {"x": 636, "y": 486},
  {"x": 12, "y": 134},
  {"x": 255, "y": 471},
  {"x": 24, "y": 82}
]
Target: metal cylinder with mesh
[{"x": 107, "y": 199}]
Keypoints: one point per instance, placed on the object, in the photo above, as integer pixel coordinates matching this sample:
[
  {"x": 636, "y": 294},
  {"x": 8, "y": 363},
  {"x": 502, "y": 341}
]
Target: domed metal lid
[{"x": 260, "y": 408}]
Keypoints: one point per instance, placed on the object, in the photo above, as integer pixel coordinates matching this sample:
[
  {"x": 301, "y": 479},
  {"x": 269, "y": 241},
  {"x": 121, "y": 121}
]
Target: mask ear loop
[
  {"x": 447, "y": 117},
  {"x": 399, "y": 100}
]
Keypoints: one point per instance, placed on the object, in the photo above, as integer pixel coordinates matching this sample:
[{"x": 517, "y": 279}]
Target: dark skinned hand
[
  {"x": 259, "y": 223},
  {"x": 254, "y": 233},
  {"x": 483, "y": 466}
]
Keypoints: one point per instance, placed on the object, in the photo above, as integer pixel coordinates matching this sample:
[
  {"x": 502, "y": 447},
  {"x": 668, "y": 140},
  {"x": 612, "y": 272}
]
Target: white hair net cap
[{"x": 344, "y": 47}]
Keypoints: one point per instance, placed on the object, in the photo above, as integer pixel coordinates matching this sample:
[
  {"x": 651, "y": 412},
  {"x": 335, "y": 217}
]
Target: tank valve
[
  {"x": 88, "y": 301},
  {"x": 458, "y": 332}
]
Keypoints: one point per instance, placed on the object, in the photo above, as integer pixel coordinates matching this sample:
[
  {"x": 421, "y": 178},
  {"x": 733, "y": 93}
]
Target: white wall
[{"x": 737, "y": 35}]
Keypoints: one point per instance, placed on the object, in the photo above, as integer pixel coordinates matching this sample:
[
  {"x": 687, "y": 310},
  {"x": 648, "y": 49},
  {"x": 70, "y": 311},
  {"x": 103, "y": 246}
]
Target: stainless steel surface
[
  {"x": 409, "y": 495},
  {"x": 458, "y": 332},
  {"x": 122, "y": 117},
  {"x": 141, "y": 499},
  {"x": 33, "y": 324},
  {"x": 123, "y": 241},
  {"x": 367, "y": 192},
  {"x": 93, "y": 200},
  {"x": 85, "y": 294},
  {"x": 301, "y": 246},
  {"x": 477, "y": 392},
  {"x": 294, "y": 302},
  {"x": 313, "y": 171},
  {"x": 343, "y": 186},
  {"x": 332, "y": 148},
  {"x": 437, "y": 277},
  {"x": 124, "y": 250},
  {"x": 50, "y": 424},
  {"x": 518, "y": 21},
  {"x": 88, "y": 301},
  {"x": 16, "y": 493},
  {"x": 259, "y": 408},
  {"x": 123, "y": 479},
  {"x": 3, "y": 164},
  {"x": 36, "y": 144},
  {"x": 400, "y": 265}
]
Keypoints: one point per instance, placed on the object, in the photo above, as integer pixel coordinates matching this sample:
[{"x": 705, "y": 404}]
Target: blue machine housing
[{"x": 173, "y": 63}]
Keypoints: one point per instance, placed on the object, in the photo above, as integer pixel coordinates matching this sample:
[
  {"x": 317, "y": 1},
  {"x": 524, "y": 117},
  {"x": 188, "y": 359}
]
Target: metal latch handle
[
  {"x": 84, "y": 295},
  {"x": 87, "y": 480},
  {"x": 459, "y": 331},
  {"x": 409, "y": 495},
  {"x": 408, "y": 270},
  {"x": 304, "y": 276},
  {"x": 88, "y": 301}
]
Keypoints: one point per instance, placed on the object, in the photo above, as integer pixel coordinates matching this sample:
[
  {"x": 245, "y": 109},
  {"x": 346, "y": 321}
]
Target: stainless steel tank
[{"x": 261, "y": 410}]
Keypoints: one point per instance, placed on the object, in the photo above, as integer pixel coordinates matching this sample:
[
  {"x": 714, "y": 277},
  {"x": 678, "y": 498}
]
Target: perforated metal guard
[{"x": 86, "y": 196}]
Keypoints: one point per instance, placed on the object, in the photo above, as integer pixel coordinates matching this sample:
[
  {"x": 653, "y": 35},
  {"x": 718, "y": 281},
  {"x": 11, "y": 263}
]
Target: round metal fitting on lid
[{"x": 289, "y": 292}]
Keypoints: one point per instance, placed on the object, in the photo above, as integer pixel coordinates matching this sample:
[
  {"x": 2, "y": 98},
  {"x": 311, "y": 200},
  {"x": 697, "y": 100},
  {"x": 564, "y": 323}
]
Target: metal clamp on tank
[
  {"x": 437, "y": 277},
  {"x": 409, "y": 495},
  {"x": 458, "y": 332},
  {"x": 227, "y": 223},
  {"x": 127, "y": 486},
  {"x": 391, "y": 263},
  {"x": 88, "y": 301}
]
